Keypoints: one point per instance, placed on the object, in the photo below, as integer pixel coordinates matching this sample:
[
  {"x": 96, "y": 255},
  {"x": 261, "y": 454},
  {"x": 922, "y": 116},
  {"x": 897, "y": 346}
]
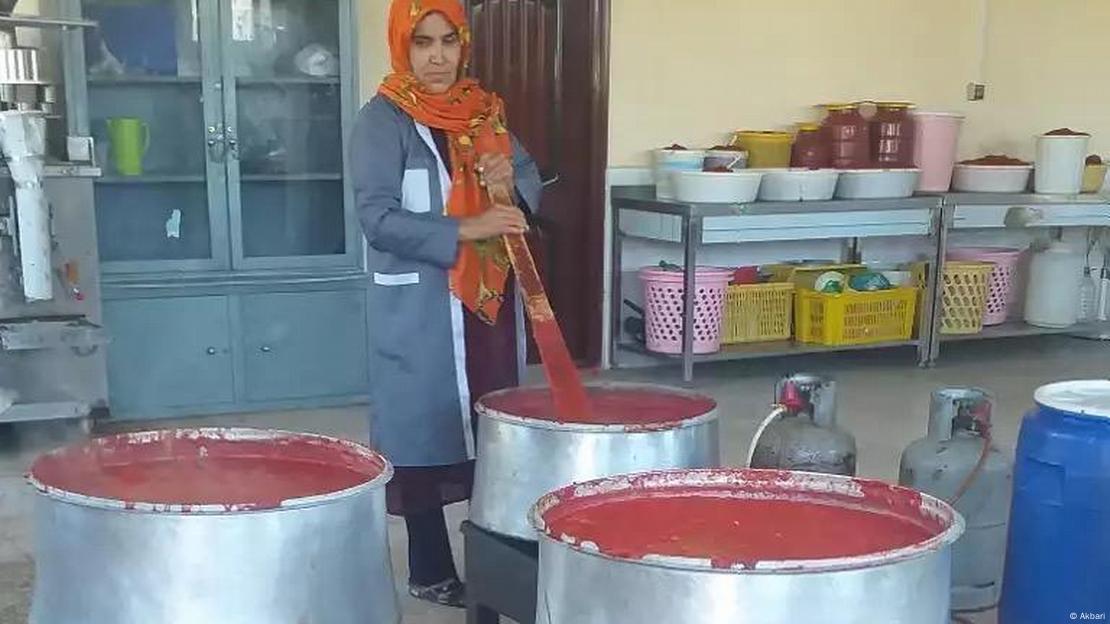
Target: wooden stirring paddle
[{"x": 571, "y": 402}]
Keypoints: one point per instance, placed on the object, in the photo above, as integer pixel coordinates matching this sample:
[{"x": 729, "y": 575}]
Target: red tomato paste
[
  {"x": 186, "y": 469},
  {"x": 611, "y": 405}
]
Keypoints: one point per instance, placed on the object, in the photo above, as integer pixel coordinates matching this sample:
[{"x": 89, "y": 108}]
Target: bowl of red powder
[{"x": 993, "y": 173}]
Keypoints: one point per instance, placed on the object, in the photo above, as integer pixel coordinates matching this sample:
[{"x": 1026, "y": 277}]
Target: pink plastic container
[
  {"x": 1003, "y": 279},
  {"x": 663, "y": 298},
  {"x": 936, "y": 139}
]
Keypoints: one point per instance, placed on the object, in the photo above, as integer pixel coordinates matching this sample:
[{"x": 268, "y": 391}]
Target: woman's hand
[
  {"x": 495, "y": 171},
  {"x": 499, "y": 220}
]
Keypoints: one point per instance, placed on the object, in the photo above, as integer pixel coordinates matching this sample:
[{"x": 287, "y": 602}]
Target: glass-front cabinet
[{"x": 219, "y": 126}]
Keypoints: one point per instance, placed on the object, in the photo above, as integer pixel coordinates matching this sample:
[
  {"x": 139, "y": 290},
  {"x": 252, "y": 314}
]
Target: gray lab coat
[{"x": 420, "y": 402}]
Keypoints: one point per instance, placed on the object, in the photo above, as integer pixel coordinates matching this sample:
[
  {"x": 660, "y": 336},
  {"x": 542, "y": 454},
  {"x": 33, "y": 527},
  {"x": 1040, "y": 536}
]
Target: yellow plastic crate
[
  {"x": 805, "y": 275},
  {"x": 853, "y": 318},
  {"x": 964, "y": 296},
  {"x": 758, "y": 313}
]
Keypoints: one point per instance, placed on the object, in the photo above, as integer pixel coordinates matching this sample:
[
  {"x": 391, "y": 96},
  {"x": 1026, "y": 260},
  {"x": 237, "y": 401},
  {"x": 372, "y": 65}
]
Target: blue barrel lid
[{"x": 1087, "y": 397}]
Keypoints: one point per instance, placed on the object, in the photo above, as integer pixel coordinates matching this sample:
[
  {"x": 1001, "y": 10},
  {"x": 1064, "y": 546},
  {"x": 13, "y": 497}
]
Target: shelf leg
[
  {"x": 929, "y": 339},
  {"x": 691, "y": 238},
  {"x": 616, "y": 296}
]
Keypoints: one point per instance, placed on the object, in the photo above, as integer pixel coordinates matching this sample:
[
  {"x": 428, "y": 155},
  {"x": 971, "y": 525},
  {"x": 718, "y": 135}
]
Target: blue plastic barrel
[{"x": 1058, "y": 552}]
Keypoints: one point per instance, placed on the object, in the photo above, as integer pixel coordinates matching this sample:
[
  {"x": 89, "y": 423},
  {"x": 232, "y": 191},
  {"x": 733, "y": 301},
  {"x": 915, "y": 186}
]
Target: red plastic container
[
  {"x": 849, "y": 136},
  {"x": 892, "y": 135},
  {"x": 811, "y": 147}
]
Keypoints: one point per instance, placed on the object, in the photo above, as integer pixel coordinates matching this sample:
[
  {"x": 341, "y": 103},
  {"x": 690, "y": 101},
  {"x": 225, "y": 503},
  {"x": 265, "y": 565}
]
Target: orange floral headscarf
[{"x": 474, "y": 121}]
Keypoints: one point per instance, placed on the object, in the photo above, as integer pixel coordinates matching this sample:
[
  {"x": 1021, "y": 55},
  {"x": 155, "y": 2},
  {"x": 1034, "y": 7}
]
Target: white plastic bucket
[{"x": 1059, "y": 164}]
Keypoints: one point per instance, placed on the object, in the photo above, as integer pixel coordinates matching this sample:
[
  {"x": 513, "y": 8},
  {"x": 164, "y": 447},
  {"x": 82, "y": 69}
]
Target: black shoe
[{"x": 449, "y": 593}]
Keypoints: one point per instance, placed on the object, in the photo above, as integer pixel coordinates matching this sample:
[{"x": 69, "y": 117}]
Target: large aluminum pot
[
  {"x": 321, "y": 558},
  {"x": 580, "y": 584},
  {"x": 524, "y": 452}
]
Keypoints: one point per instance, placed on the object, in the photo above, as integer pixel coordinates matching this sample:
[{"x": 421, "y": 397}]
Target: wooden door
[{"x": 549, "y": 60}]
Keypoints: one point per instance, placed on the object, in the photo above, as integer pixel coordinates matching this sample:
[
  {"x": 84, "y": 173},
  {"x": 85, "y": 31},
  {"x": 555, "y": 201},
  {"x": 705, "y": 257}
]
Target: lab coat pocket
[
  {"x": 396, "y": 279},
  {"x": 415, "y": 191}
]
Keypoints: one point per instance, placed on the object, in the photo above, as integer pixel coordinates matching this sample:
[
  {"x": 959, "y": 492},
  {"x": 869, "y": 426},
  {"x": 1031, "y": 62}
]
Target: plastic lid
[
  {"x": 840, "y": 106},
  {"x": 808, "y": 126},
  {"x": 1088, "y": 397},
  {"x": 895, "y": 104},
  {"x": 763, "y": 133}
]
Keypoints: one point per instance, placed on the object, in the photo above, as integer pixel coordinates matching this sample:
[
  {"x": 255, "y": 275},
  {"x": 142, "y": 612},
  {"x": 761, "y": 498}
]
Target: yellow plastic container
[
  {"x": 855, "y": 318},
  {"x": 1093, "y": 175},
  {"x": 964, "y": 296},
  {"x": 806, "y": 274},
  {"x": 766, "y": 148},
  {"x": 758, "y": 313}
]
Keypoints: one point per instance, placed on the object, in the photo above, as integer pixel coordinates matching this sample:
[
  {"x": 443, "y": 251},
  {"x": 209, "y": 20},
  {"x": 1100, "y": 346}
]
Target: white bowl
[
  {"x": 704, "y": 187},
  {"x": 991, "y": 178},
  {"x": 798, "y": 184},
  {"x": 877, "y": 183},
  {"x": 668, "y": 161}
]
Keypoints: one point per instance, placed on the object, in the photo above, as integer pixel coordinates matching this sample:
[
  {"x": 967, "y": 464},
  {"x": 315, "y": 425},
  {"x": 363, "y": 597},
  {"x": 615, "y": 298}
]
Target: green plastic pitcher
[{"x": 130, "y": 139}]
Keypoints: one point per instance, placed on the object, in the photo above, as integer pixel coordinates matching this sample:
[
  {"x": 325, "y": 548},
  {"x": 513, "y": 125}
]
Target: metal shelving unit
[
  {"x": 1015, "y": 329},
  {"x": 997, "y": 211},
  {"x": 695, "y": 225},
  {"x": 757, "y": 350},
  {"x": 638, "y": 214}
]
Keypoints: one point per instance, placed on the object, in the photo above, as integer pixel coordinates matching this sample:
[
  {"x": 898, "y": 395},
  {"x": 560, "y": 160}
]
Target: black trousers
[{"x": 430, "y": 559}]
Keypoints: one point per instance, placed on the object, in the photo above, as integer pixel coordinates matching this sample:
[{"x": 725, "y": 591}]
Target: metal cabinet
[
  {"x": 220, "y": 126},
  {"x": 299, "y": 345},
  {"x": 169, "y": 353},
  {"x": 226, "y": 353}
]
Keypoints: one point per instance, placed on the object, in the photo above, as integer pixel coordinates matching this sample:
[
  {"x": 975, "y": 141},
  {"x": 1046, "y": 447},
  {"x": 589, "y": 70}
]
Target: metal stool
[{"x": 500, "y": 577}]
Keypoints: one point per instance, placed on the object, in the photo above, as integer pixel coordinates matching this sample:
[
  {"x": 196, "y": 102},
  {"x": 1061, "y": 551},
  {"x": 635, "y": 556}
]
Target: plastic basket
[
  {"x": 854, "y": 318},
  {"x": 664, "y": 292},
  {"x": 964, "y": 296},
  {"x": 806, "y": 274},
  {"x": 1001, "y": 289},
  {"x": 758, "y": 313}
]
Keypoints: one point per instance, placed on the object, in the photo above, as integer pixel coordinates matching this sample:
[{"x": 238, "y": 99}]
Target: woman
[{"x": 426, "y": 154}]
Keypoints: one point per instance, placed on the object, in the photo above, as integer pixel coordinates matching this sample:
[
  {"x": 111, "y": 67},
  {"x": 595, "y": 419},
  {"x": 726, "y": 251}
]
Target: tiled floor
[{"x": 883, "y": 400}]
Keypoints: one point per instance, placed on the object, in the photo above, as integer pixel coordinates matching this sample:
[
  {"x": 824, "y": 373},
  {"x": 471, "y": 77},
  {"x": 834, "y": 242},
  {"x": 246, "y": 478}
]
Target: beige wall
[
  {"x": 692, "y": 70},
  {"x": 1045, "y": 68},
  {"x": 373, "y": 47}
]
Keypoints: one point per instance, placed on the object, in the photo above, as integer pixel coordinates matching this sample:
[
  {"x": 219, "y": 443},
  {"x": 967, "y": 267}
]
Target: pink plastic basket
[
  {"x": 1002, "y": 283},
  {"x": 663, "y": 297}
]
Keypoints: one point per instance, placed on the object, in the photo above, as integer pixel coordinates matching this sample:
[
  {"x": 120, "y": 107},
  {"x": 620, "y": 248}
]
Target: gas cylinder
[
  {"x": 802, "y": 433},
  {"x": 958, "y": 462}
]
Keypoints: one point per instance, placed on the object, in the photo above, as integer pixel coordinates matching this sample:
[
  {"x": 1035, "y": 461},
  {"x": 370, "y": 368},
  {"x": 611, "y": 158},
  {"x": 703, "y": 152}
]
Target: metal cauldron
[
  {"x": 521, "y": 458},
  {"x": 322, "y": 559},
  {"x": 580, "y": 585}
]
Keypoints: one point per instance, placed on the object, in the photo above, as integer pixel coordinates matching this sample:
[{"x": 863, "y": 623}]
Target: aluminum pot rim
[
  {"x": 225, "y": 433},
  {"x": 735, "y": 476},
  {"x": 485, "y": 411}
]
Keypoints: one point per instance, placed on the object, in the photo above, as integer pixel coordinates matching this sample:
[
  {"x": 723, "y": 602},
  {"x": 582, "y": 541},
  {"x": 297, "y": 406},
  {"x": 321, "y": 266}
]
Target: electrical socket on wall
[{"x": 976, "y": 91}]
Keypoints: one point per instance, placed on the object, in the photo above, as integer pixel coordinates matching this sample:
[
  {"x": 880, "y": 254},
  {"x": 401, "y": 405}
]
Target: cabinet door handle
[
  {"x": 210, "y": 350},
  {"x": 265, "y": 349}
]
